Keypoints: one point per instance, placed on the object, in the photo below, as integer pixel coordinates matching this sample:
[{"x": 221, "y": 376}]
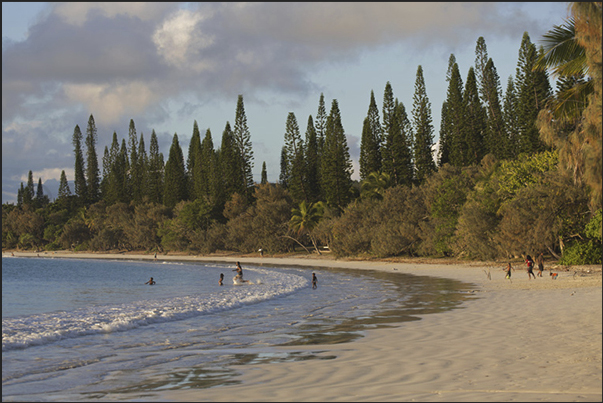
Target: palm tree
[
  {"x": 305, "y": 218},
  {"x": 565, "y": 57},
  {"x": 375, "y": 184},
  {"x": 572, "y": 119}
]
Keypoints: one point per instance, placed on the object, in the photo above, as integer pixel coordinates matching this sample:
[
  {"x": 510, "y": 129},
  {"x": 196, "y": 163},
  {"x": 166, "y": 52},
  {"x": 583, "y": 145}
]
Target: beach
[{"x": 519, "y": 339}]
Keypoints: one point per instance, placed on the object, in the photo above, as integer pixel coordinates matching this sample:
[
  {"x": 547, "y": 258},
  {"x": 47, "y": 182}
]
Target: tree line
[{"x": 500, "y": 184}]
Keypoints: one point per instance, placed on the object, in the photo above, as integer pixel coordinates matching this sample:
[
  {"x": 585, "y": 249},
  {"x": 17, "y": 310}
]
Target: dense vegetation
[{"x": 516, "y": 173}]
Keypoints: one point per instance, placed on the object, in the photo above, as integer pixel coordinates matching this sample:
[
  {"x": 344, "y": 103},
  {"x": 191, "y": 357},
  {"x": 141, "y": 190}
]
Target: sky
[{"x": 167, "y": 65}]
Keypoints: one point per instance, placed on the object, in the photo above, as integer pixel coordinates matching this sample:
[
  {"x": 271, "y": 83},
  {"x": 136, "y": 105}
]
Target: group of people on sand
[
  {"x": 239, "y": 277},
  {"x": 530, "y": 267}
]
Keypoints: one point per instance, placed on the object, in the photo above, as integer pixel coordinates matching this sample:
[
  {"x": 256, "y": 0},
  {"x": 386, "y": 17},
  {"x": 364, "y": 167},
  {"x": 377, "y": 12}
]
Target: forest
[{"x": 516, "y": 172}]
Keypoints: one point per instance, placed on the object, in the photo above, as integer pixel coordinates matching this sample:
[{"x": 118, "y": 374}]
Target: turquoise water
[{"x": 77, "y": 329}]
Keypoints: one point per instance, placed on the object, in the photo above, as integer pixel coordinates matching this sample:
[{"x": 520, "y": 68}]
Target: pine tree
[
  {"x": 399, "y": 166},
  {"x": 175, "y": 185},
  {"x": 533, "y": 90},
  {"x": 283, "y": 178},
  {"x": 242, "y": 141},
  {"x": 106, "y": 170},
  {"x": 204, "y": 174},
  {"x": 134, "y": 171},
  {"x": 40, "y": 192},
  {"x": 230, "y": 163},
  {"x": 321, "y": 125},
  {"x": 295, "y": 160},
  {"x": 388, "y": 112},
  {"x": 453, "y": 147},
  {"x": 312, "y": 162},
  {"x": 481, "y": 60},
  {"x": 155, "y": 171},
  {"x": 20, "y": 194},
  {"x": 511, "y": 120},
  {"x": 474, "y": 122},
  {"x": 336, "y": 171},
  {"x": 64, "y": 191},
  {"x": 143, "y": 168},
  {"x": 194, "y": 155},
  {"x": 121, "y": 168},
  {"x": 92, "y": 171},
  {"x": 496, "y": 139},
  {"x": 80, "y": 178},
  {"x": 264, "y": 179},
  {"x": 423, "y": 130},
  {"x": 29, "y": 192},
  {"x": 454, "y": 92},
  {"x": 371, "y": 140}
]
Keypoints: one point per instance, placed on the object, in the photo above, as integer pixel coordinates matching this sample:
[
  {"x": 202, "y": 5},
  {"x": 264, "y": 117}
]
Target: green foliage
[
  {"x": 524, "y": 171},
  {"x": 593, "y": 228},
  {"x": 582, "y": 253}
]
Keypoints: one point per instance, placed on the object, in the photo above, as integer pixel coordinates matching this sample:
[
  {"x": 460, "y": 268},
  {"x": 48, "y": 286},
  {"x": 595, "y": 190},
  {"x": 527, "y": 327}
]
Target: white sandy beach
[{"x": 520, "y": 340}]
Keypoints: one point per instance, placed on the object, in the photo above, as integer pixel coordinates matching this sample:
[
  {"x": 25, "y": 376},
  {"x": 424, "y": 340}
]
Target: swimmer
[
  {"x": 151, "y": 282},
  {"x": 314, "y": 281},
  {"x": 221, "y": 279}
]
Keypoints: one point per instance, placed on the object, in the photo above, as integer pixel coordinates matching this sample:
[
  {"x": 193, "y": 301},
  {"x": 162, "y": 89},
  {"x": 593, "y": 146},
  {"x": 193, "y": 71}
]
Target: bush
[{"x": 582, "y": 253}]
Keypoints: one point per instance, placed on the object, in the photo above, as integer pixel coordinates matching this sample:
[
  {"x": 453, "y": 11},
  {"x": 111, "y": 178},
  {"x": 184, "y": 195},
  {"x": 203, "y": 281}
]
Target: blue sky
[{"x": 165, "y": 65}]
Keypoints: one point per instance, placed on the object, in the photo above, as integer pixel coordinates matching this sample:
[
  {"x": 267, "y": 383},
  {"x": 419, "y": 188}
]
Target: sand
[{"x": 522, "y": 340}]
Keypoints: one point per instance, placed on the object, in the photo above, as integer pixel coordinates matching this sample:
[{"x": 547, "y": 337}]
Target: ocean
[{"x": 86, "y": 329}]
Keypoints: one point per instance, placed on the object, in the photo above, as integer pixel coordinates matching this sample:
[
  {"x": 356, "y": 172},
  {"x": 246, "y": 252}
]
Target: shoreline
[{"x": 527, "y": 340}]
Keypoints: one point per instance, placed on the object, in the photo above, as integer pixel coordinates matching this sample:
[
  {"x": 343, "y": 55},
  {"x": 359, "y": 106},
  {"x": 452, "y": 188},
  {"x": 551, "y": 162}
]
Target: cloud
[{"x": 145, "y": 60}]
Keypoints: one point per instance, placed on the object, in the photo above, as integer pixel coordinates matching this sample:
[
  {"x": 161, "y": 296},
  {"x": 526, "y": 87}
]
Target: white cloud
[
  {"x": 48, "y": 174},
  {"x": 179, "y": 38},
  {"x": 110, "y": 102}
]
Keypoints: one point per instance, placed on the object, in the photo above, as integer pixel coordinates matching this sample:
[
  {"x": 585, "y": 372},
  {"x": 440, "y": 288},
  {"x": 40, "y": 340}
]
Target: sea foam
[{"x": 39, "y": 329}]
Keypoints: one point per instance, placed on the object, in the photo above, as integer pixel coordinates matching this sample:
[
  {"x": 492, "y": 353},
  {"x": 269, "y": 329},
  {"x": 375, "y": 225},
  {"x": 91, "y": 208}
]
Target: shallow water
[{"x": 82, "y": 329}]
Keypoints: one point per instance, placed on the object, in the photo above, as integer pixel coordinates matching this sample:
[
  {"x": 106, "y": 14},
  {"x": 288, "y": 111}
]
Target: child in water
[{"x": 151, "y": 282}]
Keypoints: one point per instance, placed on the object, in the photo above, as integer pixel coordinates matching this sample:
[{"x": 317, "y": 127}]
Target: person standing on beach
[
  {"x": 508, "y": 269},
  {"x": 530, "y": 263},
  {"x": 314, "y": 281},
  {"x": 540, "y": 261}
]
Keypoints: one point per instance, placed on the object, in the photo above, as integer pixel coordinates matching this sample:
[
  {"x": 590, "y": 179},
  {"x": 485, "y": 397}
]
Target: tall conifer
[
  {"x": 474, "y": 126},
  {"x": 312, "y": 162},
  {"x": 511, "y": 120},
  {"x": 295, "y": 160},
  {"x": 155, "y": 171},
  {"x": 533, "y": 90},
  {"x": 336, "y": 172},
  {"x": 92, "y": 170},
  {"x": 80, "y": 187},
  {"x": 64, "y": 191},
  {"x": 423, "y": 130},
  {"x": 242, "y": 141},
  {"x": 371, "y": 141},
  {"x": 230, "y": 163},
  {"x": 175, "y": 185}
]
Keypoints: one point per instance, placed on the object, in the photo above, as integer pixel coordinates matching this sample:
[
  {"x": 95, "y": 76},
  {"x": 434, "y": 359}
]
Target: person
[
  {"x": 508, "y": 269},
  {"x": 540, "y": 261},
  {"x": 314, "y": 280},
  {"x": 151, "y": 282},
  {"x": 530, "y": 263},
  {"x": 221, "y": 279},
  {"x": 239, "y": 271},
  {"x": 155, "y": 256},
  {"x": 261, "y": 252}
]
